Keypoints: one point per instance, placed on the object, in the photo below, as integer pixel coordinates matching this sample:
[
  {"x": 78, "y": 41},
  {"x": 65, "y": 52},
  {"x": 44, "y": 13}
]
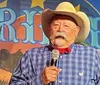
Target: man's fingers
[
  {"x": 50, "y": 74},
  {"x": 52, "y": 68},
  {"x": 51, "y": 78}
]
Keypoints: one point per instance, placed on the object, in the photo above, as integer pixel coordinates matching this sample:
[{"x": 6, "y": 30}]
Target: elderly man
[{"x": 75, "y": 64}]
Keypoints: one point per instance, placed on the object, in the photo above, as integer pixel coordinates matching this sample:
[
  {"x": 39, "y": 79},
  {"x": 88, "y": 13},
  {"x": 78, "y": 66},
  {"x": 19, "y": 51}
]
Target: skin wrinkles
[{"x": 67, "y": 27}]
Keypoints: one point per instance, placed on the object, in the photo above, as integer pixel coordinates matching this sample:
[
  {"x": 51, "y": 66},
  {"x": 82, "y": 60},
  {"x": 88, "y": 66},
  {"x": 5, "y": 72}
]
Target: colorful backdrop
[{"x": 20, "y": 29}]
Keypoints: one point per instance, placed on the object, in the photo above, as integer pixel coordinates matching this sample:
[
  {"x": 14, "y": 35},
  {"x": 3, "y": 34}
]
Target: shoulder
[
  {"x": 34, "y": 51},
  {"x": 37, "y": 50},
  {"x": 35, "y": 54},
  {"x": 85, "y": 48}
]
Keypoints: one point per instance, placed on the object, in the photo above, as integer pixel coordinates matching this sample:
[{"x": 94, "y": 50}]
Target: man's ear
[{"x": 78, "y": 28}]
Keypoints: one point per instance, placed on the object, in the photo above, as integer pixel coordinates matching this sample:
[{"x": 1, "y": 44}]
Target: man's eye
[
  {"x": 56, "y": 24},
  {"x": 66, "y": 25}
]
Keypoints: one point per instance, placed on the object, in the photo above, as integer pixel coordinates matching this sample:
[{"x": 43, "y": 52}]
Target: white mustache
[{"x": 62, "y": 34}]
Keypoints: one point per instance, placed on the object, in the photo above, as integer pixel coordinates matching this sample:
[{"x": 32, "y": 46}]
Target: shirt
[{"x": 79, "y": 67}]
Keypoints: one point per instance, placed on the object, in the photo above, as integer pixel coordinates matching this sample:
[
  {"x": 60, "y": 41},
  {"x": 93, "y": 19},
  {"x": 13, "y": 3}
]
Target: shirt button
[
  {"x": 60, "y": 69},
  {"x": 81, "y": 74},
  {"x": 60, "y": 56},
  {"x": 60, "y": 81}
]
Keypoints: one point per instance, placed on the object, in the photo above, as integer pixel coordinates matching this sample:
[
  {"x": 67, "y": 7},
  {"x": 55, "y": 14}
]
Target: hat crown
[{"x": 65, "y": 6}]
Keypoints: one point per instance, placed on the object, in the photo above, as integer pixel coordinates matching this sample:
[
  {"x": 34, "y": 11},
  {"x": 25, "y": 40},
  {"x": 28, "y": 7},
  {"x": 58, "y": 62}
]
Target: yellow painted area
[
  {"x": 77, "y": 7},
  {"x": 3, "y": 4},
  {"x": 5, "y": 75},
  {"x": 37, "y": 3}
]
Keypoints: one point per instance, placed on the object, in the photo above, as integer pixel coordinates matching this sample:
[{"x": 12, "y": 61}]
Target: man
[{"x": 76, "y": 64}]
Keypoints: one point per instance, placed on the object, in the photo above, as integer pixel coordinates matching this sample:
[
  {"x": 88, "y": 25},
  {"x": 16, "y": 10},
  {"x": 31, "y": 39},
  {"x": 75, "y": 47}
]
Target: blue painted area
[{"x": 95, "y": 3}]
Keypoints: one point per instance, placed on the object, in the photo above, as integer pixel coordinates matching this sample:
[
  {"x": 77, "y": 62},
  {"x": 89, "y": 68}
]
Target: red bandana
[{"x": 63, "y": 50}]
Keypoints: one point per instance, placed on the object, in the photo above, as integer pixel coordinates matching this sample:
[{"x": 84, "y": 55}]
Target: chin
[{"x": 60, "y": 43}]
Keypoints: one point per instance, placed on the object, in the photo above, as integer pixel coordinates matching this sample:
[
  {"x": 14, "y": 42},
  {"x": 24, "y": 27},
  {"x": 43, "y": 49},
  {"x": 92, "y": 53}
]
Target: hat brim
[{"x": 80, "y": 17}]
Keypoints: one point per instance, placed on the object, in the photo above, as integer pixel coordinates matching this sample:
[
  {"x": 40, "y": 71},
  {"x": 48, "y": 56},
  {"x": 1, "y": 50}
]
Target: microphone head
[{"x": 55, "y": 54}]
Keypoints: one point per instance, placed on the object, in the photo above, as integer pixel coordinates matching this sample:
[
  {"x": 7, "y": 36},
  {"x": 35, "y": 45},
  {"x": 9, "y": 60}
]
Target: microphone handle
[
  {"x": 51, "y": 83},
  {"x": 53, "y": 62}
]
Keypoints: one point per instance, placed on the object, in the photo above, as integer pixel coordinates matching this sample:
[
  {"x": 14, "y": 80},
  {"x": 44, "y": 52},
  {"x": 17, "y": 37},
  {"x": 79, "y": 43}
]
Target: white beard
[{"x": 59, "y": 42}]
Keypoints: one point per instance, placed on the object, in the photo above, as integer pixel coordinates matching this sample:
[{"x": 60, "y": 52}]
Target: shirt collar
[{"x": 51, "y": 47}]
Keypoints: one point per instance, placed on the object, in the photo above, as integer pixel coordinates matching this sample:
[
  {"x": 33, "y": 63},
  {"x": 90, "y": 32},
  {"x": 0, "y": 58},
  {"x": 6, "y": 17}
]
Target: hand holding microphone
[{"x": 50, "y": 73}]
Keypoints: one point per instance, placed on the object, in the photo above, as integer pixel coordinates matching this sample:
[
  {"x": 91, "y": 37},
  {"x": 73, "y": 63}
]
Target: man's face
[{"x": 63, "y": 31}]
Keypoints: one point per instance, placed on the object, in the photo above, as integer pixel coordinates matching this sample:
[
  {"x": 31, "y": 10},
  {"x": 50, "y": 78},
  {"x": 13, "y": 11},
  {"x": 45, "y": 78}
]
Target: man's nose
[{"x": 60, "y": 28}]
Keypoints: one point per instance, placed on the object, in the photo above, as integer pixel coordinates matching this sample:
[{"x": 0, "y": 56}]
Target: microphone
[{"x": 55, "y": 56}]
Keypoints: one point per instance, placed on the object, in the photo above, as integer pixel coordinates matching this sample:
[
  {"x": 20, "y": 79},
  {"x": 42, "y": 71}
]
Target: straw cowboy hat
[{"x": 66, "y": 8}]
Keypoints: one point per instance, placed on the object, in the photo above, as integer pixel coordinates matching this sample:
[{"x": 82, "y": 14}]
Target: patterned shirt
[{"x": 79, "y": 67}]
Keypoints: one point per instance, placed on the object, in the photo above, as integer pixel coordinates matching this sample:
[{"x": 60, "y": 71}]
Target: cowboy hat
[{"x": 66, "y": 8}]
